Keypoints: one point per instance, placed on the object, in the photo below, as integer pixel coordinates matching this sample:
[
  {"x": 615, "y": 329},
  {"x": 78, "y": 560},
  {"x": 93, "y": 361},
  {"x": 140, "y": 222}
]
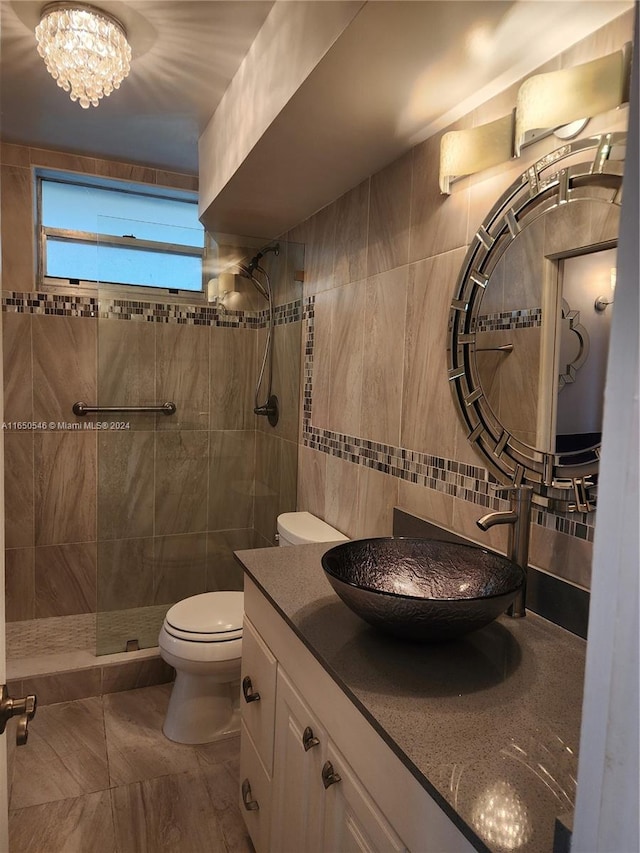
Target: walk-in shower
[{"x": 269, "y": 408}]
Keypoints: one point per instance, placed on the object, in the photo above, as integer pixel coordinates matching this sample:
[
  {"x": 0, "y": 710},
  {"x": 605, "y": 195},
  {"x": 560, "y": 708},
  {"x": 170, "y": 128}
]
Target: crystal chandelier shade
[{"x": 85, "y": 50}]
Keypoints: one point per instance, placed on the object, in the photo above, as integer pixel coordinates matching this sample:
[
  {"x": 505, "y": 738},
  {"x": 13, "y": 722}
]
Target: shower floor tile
[{"x": 98, "y": 774}]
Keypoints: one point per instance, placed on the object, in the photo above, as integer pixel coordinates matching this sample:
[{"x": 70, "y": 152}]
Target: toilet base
[{"x": 201, "y": 710}]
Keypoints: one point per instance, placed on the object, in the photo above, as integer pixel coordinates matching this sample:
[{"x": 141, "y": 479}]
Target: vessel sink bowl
[{"x": 422, "y": 589}]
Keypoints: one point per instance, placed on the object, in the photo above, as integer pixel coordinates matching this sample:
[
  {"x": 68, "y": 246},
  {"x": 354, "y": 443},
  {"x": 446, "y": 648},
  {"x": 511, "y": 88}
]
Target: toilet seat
[{"x": 213, "y": 617}]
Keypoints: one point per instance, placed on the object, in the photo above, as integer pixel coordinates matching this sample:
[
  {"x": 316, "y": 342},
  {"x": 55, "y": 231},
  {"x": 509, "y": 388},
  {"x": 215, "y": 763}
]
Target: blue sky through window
[{"x": 111, "y": 212}]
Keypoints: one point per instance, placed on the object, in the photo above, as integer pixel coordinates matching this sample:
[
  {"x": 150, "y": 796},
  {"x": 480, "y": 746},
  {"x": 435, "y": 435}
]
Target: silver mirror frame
[{"x": 542, "y": 187}]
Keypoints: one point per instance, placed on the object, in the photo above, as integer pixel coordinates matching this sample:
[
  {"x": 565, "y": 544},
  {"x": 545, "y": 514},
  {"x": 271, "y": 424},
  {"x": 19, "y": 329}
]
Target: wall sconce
[
  {"x": 549, "y": 101},
  {"x": 602, "y": 301},
  {"x": 464, "y": 152}
]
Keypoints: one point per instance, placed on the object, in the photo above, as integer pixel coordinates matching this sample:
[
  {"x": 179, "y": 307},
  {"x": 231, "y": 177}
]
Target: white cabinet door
[
  {"x": 298, "y": 792},
  {"x": 352, "y": 822}
]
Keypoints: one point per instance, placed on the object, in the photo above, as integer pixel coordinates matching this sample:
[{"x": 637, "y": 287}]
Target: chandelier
[{"x": 85, "y": 50}]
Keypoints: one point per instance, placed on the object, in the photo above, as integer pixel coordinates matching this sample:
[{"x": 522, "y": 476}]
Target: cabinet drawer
[
  {"x": 258, "y": 692},
  {"x": 255, "y": 793}
]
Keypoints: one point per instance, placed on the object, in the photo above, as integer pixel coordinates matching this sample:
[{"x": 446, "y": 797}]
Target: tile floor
[{"x": 98, "y": 776}]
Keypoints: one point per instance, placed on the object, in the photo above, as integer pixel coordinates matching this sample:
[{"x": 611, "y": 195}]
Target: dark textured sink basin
[{"x": 422, "y": 589}]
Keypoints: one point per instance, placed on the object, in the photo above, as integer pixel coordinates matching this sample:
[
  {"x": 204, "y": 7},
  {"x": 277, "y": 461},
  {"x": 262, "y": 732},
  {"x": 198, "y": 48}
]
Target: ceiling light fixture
[{"x": 85, "y": 50}]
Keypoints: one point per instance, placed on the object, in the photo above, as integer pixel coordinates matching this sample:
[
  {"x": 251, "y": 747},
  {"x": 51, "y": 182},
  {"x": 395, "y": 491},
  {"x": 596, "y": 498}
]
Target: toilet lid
[{"x": 210, "y": 617}]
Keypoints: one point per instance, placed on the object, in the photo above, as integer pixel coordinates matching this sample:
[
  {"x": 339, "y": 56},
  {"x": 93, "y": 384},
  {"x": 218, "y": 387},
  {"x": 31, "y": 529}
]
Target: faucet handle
[{"x": 497, "y": 487}]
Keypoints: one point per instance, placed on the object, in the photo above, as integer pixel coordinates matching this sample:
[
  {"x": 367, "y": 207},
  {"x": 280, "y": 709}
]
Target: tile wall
[
  {"x": 379, "y": 428},
  {"x": 101, "y": 521}
]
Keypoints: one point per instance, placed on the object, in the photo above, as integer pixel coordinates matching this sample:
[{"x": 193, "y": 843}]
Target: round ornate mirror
[{"x": 530, "y": 318}]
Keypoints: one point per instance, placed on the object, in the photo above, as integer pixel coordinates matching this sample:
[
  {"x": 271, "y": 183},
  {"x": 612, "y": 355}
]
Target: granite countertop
[{"x": 489, "y": 723}]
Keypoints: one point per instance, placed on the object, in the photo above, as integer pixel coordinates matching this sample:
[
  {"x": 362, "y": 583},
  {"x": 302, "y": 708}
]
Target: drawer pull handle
[
  {"x": 247, "y": 689},
  {"x": 329, "y": 775},
  {"x": 249, "y": 804},
  {"x": 308, "y": 740}
]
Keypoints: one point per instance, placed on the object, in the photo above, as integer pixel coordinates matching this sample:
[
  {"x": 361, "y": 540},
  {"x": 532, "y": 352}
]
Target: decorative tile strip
[
  {"x": 465, "y": 482},
  {"x": 147, "y": 312},
  {"x": 524, "y": 318}
]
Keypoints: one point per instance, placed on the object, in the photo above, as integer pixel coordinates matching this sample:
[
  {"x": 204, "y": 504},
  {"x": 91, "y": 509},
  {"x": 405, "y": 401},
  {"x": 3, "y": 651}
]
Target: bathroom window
[{"x": 115, "y": 233}]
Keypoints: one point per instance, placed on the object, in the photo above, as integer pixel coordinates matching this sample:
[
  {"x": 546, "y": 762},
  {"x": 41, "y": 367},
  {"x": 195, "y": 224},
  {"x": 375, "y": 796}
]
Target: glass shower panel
[{"x": 177, "y": 494}]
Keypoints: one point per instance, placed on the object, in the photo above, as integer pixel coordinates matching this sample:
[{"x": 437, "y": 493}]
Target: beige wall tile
[
  {"x": 125, "y": 484},
  {"x": 179, "y": 567},
  {"x": 18, "y": 489},
  {"x": 465, "y": 516},
  {"x": 223, "y": 570},
  {"x": 289, "y": 284},
  {"x": 62, "y": 160},
  {"x": 182, "y": 375},
  {"x": 384, "y": 324},
  {"x": 426, "y": 503},
  {"x": 438, "y": 222},
  {"x": 64, "y": 686},
  {"x": 603, "y": 41},
  {"x": 16, "y": 206},
  {"x": 377, "y": 496},
  {"x": 564, "y": 556},
  {"x": 347, "y": 340},
  {"x": 176, "y": 180},
  {"x": 428, "y": 414},
  {"x": 518, "y": 372},
  {"x": 288, "y": 476},
  {"x": 312, "y": 467},
  {"x": 130, "y": 676},
  {"x": 341, "y": 497},
  {"x": 65, "y": 487},
  {"x": 19, "y": 584},
  {"x": 232, "y": 378},
  {"x": 267, "y": 487},
  {"x": 18, "y": 369},
  {"x": 64, "y": 366},
  {"x": 65, "y": 579},
  {"x": 389, "y": 216},
  {"x": 322, "y": 373},
  {"x": 125, "y": 574},
  {"x": 352, "y": 221},
  {"x": 231, "y": 479},
  {"x": 181, "y": 481},
  {"x": 126, "y": 368},
  {"x": 320, "y": 251},
  {"x": 125, "y": 171},
  {"x": 14, "y": 155},
  {"x": 287, "y": 348}
]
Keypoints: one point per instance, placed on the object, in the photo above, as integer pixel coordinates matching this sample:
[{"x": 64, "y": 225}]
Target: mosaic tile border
[
  {"x": 524, "y": 318},
  {"x": 68, "y": 305},
  {"x": 465, "y": 482}
]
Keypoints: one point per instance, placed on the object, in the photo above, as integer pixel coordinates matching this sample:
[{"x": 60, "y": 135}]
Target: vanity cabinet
[{"x": 315, "y": 775}]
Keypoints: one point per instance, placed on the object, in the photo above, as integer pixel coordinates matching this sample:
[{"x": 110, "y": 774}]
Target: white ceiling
[{"x": 184, "y": 56}]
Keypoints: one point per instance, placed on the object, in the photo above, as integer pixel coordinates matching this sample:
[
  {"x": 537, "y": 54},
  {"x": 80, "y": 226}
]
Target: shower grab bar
[{"x": 80, "y": 408}]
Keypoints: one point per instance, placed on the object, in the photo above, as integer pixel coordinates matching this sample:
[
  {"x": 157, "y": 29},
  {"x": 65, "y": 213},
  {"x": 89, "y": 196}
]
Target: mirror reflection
[{"x": 542, "y": 331}]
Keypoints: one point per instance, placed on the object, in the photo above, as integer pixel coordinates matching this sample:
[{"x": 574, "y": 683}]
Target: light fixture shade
[
  {"x": 85, "y": 50},
  {"x": 547, "y": 101},
  {"x": 464, "y": 152}
]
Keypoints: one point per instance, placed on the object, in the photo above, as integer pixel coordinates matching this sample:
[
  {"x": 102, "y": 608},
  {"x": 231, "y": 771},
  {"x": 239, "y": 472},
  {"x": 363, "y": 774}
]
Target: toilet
[{"x": 201, "y": 638}]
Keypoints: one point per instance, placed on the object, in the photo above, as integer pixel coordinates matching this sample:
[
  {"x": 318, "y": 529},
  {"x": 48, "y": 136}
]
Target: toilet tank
[{"x": 302, "y": 528}]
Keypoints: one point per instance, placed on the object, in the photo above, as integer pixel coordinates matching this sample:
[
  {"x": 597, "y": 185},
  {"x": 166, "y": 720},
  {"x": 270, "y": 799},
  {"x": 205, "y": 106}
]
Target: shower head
[
  {"x": 254, "y": 262},
  {"x": 247, "y": 272}
]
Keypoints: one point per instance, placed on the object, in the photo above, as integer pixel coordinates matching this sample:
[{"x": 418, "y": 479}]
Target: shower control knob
[{"x": 23, "y": 708}]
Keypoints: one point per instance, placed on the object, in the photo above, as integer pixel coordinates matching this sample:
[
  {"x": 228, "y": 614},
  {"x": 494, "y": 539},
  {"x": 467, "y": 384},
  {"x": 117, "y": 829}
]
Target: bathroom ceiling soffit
[
  {"x": 400, "y": 72},
  {"x": 185, "y": 53}
]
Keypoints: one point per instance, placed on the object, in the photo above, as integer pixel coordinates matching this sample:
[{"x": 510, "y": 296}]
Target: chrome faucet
[{"x": 518, "y": 517}]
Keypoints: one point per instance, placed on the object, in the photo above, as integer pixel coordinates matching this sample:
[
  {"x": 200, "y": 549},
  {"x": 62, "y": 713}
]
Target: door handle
[
  {"x": 308, "y": 739},
  {"x": 250, "y": 695},
  {"x": 24, "y": 708},
  {"x": 250, "y": 804},
  {"x": 329, "y": 775}
]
